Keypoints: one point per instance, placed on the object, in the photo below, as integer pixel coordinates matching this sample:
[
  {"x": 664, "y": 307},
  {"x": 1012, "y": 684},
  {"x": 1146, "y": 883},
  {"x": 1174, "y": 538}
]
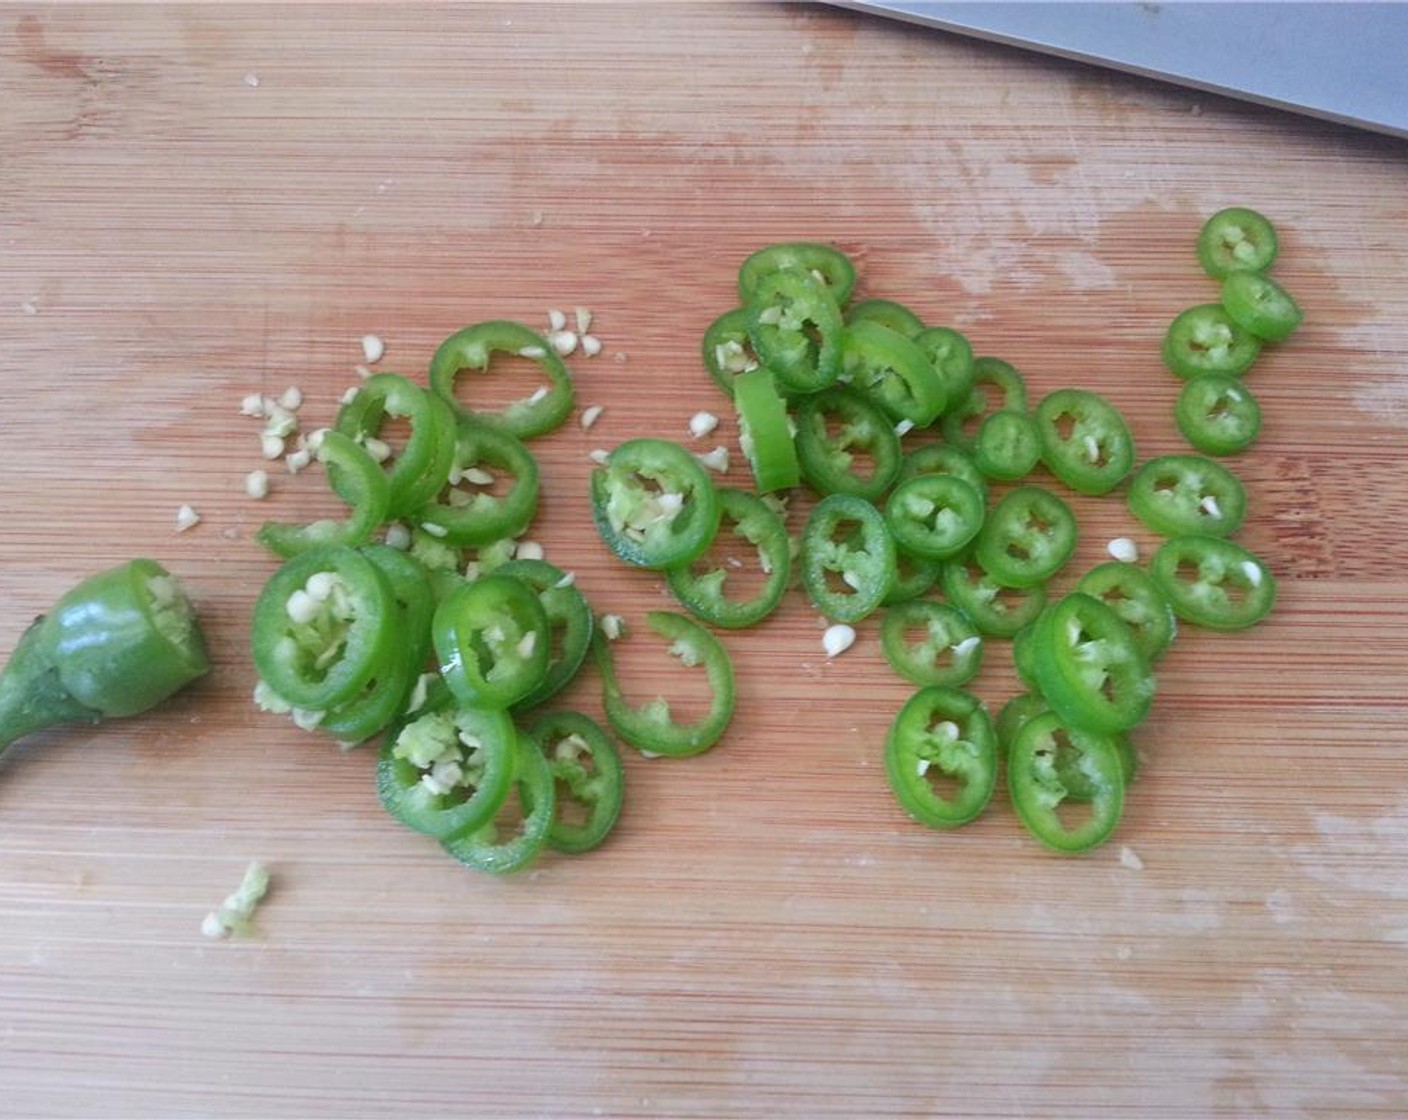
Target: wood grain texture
[{"x": 766, "y": 935}]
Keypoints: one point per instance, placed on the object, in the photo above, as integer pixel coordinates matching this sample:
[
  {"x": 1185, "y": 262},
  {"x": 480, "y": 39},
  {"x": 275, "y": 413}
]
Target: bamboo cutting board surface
[{"x": 199, "y": 203}]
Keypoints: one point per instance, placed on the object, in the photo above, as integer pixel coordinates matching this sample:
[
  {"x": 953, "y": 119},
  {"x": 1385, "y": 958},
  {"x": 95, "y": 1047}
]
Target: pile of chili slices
[{"x": 449, "y": 647}]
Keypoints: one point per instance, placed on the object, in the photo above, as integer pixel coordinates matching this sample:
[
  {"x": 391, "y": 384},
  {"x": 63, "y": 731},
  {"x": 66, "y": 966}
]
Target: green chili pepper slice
[
  {"x": 727, "y": 349},
  {"x": 1236, "y": 240},
  {"x": 704, "y": 593},
  {"x": 943, "y": 458},
  {"x": 1214, "y": 583},
  {"x": 896, "y": 316},
  {"x": 473, "y": 350},
  {"x": 848, "y": 558},
  {"x": 1133, "y": 595},
  {"x": 1205, "y": 339},
  {"x": 117, "y": 644},
  {"x": 1045, "y": 760},
  {"x": 914, "y": 575},
  {"x": 418, "y": 471},
  {"x": 468, "y": 513},
  {"x": 931, "y": 643},
  {"x": 1026, "y": 538},
  {"x": 1089, "y": 666},
  {"x": 589, "y": 777},
  {"x": 322, "y": 626},
  {"x": 1007, "y": 446},
  {"x": 934, "y": 516},
  {"x": 570, "y": 624},
  {"x": 445, "y": 769},
  {"x": 796, "y": 329},
  {"x": 1217, "y": 414},
  {"x": 533, "y": 795},
  {"x": 492, "y": 639},
  {"x": 360, "y": 482},
  {"x": 1085, "y": 442},
  {"x": 996, "y": 386},
  {"x": 861, "y": 458},
  {"x": 942, "y": 737},
  {"x": 384, "y": 696},
  {"x": 1024, "y": 650},
  {"x": 654, "y": 504},
  {"x": 892, "y": 371},
  {"x": 951, "y": 355},
  {"x": 828, "y": 265},
  {"x": 1015, "y": 715},
  {"x": 650, "y": 727},
  {"x": 764, "y": 431},
  {"x": 1260, "y": 306},
  {"x": 996, "y": 610},
  {"x": 1175, "y": 495}
]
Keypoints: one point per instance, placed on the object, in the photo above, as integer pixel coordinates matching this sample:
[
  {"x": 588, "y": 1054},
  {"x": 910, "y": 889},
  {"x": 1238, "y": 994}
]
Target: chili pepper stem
[{"x": 31, "y": 696}]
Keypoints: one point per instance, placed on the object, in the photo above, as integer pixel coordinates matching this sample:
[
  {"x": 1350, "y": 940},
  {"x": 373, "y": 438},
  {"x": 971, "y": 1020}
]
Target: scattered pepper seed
[
  {"x": 591, "y": 415},
  {"x": 372, "y": 348},
  {"x": 1124, "y": 550},
  {"x": 186, "y": 518},
  {"x": 256, "y": 484}
]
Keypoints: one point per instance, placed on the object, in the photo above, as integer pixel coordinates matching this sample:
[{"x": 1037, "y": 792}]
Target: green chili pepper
[
  {"x": 570, "y": 625},
  {"x": 359, "y": 482},
  {"x": 446, "y": 768},
  {"x": 322, "y": 626},
  {"x": 468, "y": 513},
  {"x": 727, "y": 350},
  {"x": 764, "y": 431},
  {"x": 1026, "y": 538},
  {"x": 418, "y": 471},
  {"x": 1217, "y": 414},
  {"x": 650, "y": 727},
  {"x": 942, "y": 733},
  {"x": 1214, "y": 583},
  {"x": 704, "y": 593},
  {"x": 862, "y": 458},
  {"x": 1045, "y": 757},
  {"x": 948, "y": 650},
  {"x": 119, "y": 643},
  {"x": 1187, "y": 494},
  {"x": 996, "y": 610},
  {"x": 473, "y": 349},
  {"x": 829, "y": 266},
  {"x": 796, "y": 330},
  {"x": 1089, "y": 667},
  {"x": 1260, "y": 306},
  {"x": 1236, "y": 240},
  {"x": 1085, "y": 442},
  {"x": 892, "y": 371},
  {"x": 1133, "y": 595},
  {"x": 934, "y": 516},
  {"x": 887, "y": 313},
  {"x": 943, "y": 458},
  {"x": 951, "y": 355},
  {"x": 1204, "y": 339},
  {"x": 654, "y": 504},
  {"x": 1007, "y": 446},
  {"x": 492, "y": 639},
  {"x": 588, "y": 773},
  {"x": 383, "y": 698},
  {"x": 487, "y": 849},
  {"x": 848, "y": 558},
  {"x": 996, "y": 386}
]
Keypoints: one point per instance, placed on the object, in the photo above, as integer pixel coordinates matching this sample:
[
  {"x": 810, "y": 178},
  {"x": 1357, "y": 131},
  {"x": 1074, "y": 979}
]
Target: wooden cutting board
[{"x": 199, "y": 203}]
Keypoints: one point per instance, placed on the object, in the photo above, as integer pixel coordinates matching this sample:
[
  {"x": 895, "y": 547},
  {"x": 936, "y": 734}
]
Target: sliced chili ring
[
  {"x": 829, "y": 265},
  {"x": 704, "y": 594},
  {"x": 650, "y": 727},
  {"x": 1026, "y": 537},
  {"x": 588, "y": 773},
  {"x": 1175, "y": 495},
  {"x": 846, "y": 538},
  {"x": 765, "y": 431},
  {"x": 654, "y": 504},
  {"x": 942, "y": 731},
  {"x": 485, "y": 849},
  {"x": 1217, "y": 414},
  {"x": 473, "y": 350},
  {"x": 1085, "y": 442},
  {"x": 829, "y": 461},
  {"x": 949, "y": 653},
  {"x": 1044, "y": 759},
  {"x": 1214, "y": 583}
]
